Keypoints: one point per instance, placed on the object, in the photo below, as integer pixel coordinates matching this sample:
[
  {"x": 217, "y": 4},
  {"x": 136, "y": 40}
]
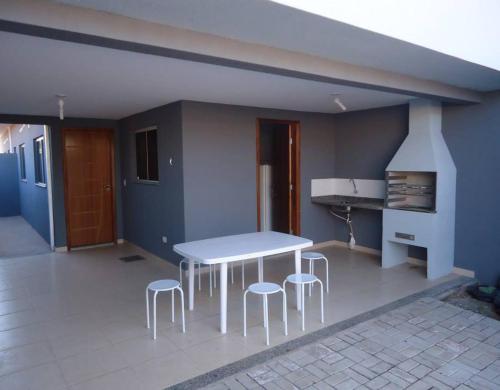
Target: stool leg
[
  {"x": 210, "y": 277},
  {"x": 180, "y": 272},
  {"x": 243, "y": 275},
  {"x": 173, "y": 306},
  {"x": 199, "y": 277},
  {"x": 182, "y": 310},
  {"x": 245, "y": 314},
  {"x": 147, "y": 308},
  {"x": 310, "y": 271},
  {"x": 322, "y": 307},
  {"x": 154, "y": 315},
  {"x": 285, "y": 319},
  {"x": 302, "y": 288},
  {"x": 266, "y": 319},
  {"x": 232, "y": 272},
  {"x": 327, "y": 277},
  {"x": 215, "y": 275}
]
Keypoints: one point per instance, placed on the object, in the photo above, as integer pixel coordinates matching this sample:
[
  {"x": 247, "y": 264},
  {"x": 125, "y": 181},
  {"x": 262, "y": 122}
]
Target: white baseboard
[
  {"x": 358, "y": 248},
  {"x": 120, "y": 241},
  {"x": 377, "y": 252},
  {"x": 61, "y": 249},
  {"x": 456, "y": 270}
]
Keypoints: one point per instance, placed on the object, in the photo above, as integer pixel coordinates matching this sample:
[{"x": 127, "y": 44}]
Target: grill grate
[{"x": 128, "y": 259}]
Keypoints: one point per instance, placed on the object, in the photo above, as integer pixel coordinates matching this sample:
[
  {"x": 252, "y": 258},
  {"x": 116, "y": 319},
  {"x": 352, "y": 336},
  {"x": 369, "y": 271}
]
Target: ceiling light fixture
[
  {"x": 60, "y": 102},
  {"x": 338, "y": 102}
]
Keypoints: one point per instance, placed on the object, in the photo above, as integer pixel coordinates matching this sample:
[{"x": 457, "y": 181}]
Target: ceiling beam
[{"x": 89, "y": 27}]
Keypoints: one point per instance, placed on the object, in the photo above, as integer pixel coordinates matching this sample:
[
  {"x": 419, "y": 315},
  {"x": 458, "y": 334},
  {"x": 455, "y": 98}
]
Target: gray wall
[
  {"x": 56, "y": 127},
  {"x": 473, "y": 136},
  {"x": 9, "y": 187},
  {"x": 219, "y": 147},
  {"x": 365, "y": 142},
  {"x": 151, "y": 211}
]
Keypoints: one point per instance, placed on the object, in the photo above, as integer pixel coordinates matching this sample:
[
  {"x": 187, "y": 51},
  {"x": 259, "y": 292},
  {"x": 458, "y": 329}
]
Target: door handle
[{"x": 107, "y": 187}]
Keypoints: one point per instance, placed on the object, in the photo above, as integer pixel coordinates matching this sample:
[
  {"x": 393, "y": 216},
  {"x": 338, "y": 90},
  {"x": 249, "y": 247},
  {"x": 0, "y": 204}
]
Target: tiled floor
[
  {"x": 77, "y": 320},
  {"x": 425, "y": 345},
  {"x": 20, "y": 239}
]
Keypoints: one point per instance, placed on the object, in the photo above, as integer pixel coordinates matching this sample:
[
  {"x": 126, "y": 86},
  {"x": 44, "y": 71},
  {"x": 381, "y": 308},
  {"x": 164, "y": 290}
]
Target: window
[
  {"x": 22, "y": 162},
  {"x": 146, "y": 154},
  {"x": 39, "y": 152}
]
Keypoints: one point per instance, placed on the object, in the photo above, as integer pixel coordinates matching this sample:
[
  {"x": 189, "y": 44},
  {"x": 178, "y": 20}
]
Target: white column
[
  {"x": 298, "y": 271},
  {"x": 191, "y": 283},
  {"x": 223, "y": 298}
]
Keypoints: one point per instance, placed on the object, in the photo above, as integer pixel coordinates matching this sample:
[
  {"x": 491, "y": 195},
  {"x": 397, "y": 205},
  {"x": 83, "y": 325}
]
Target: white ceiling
[
  {"x": 107, "y": 83},
  {"x": 276, "y": 25}
]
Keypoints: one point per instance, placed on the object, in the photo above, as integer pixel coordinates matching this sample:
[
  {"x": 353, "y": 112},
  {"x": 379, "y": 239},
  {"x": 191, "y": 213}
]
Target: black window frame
[
  {"x": 39, "y": 161},
  {"x": 22, "y": 162},
  {"x": 146, "y": 155}
]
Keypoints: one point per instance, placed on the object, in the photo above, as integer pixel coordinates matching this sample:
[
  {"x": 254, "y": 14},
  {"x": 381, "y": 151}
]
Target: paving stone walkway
[{"x": 427, "y": 344}]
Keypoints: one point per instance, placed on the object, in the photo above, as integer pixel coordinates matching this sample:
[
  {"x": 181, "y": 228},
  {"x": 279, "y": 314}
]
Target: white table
[{"x": 223, "y": 250}]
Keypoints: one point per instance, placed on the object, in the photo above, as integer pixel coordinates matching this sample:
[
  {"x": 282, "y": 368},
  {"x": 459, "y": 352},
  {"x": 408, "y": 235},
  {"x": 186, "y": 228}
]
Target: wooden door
[
  {"x": 281, "y": 180},
  {"x": 88, "y": 183},
  {"x": 286, "y": 171},
  {"x": 294, "y": 169}
]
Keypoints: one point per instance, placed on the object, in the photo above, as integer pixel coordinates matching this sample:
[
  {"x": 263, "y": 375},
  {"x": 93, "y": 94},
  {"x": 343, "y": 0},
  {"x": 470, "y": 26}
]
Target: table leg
[
  {"x": 223, "y": 298},
  {"x": 298, "y": 271},
  {"x": 260, "y": 262},
  {"x": 191, "y": 284}
]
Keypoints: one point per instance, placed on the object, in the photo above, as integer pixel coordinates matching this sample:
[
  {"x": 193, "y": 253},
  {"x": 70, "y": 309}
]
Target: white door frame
[{"x": 48, "y": 168}]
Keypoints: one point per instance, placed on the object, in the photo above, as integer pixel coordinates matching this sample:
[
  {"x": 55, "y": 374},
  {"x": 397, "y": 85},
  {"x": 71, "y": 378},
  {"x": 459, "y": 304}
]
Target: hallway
[{"x": 19, "y": 239}]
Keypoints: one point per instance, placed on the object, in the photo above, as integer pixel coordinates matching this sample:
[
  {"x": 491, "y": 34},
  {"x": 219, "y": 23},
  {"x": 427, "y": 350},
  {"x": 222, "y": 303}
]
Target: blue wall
[
  {"x": 33, "y": 199},
  {"x": 220, "y": 192},
  {"x": 473, "y": 136},
  {"x": 151, "y": 211},
  {"x": 9, "y": 186}
]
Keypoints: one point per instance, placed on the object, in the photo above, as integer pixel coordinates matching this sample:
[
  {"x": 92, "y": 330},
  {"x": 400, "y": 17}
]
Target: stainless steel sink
[{"x": 345, "y": 203}]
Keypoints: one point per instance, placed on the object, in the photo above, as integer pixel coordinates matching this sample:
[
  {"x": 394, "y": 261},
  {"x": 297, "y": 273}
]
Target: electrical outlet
[{"x": 164, "y": 239}]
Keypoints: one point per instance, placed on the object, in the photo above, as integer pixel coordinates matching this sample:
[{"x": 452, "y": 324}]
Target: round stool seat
[
  {"x": 264, "y": 288},
  {"x": 312, "y": 255},
  {"x": 301, "y": 278},
  {"x": 163, "y": 285}
]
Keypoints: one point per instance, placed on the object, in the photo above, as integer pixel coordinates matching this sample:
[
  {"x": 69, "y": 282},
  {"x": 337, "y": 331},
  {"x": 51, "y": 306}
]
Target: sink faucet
[{"x": 354, "y": 185}]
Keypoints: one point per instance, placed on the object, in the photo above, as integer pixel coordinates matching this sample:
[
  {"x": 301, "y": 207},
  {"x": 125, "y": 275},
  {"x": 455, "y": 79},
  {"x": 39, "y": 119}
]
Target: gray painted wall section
[
  {"x": 9, "y": 187},
  {"x": 473, "y": 136},
  {"x": 219, "y": 152},
  {"x": 365, "y": 142},
  {"x": 151, "y": 211}
]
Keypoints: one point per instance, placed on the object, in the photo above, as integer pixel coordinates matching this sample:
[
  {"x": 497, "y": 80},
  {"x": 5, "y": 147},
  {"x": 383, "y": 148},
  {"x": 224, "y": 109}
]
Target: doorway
[
  {"x": 278, "y": 175},
  {"x": 26, "y": 218},
  {"x": 89, "y": 186}
]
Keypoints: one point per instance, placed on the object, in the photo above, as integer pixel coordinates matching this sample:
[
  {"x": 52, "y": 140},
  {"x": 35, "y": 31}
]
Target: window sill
[
  {"x": 24, "y": 181},
  {"x": 43, "y": 185},
  {"x": 148, "y": 182}
]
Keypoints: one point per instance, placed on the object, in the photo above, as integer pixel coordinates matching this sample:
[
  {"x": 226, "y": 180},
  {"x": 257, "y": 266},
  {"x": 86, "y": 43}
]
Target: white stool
[
  {"x": 313, "y": 257},
  {"x": 161, "y": 286},
  {"x": 302, "y": 280},
  {"x": 264, "y": 289}
]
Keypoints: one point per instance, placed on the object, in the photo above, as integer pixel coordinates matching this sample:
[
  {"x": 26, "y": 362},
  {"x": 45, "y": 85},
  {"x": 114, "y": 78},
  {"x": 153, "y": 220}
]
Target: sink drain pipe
[{"x": 347, "y": 219}]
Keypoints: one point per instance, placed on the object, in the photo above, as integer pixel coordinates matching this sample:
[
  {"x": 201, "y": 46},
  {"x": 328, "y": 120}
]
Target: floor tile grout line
[{"x": 263, "y": 356}]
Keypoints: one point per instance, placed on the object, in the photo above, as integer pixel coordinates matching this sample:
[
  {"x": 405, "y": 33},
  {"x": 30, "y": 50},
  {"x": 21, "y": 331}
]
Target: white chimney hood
[
  {"x": 424, "y": 149},
  {"x": 418, "y": 211}
]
